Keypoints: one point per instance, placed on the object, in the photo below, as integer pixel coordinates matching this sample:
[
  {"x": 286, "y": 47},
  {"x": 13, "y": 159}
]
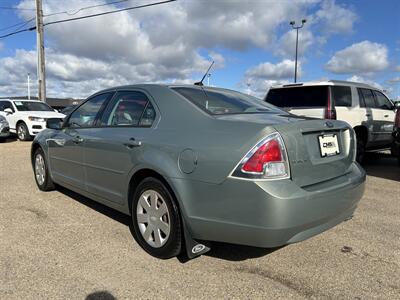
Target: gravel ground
[{"x": 59, "y": 245}]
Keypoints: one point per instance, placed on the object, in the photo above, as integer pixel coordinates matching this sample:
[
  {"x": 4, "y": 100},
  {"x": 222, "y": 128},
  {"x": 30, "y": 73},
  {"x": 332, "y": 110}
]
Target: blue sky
[{"x": 251, "y": 42}]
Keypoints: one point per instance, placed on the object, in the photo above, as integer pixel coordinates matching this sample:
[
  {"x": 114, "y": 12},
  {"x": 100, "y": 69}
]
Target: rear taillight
[
  {"x": 397, "y": 119},
  {"x": 267, "y": 160},
  {"x": 330, "y": 111}
]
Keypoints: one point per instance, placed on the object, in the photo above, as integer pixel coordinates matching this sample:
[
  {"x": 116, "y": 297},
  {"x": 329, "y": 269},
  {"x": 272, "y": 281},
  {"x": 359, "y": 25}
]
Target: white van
[{"x": 367, "y": 109}]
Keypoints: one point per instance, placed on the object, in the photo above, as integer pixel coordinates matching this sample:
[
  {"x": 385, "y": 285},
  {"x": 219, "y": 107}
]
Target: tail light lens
[
  {"x": 330, "y": 111},
  {"x": 267, "y": 160},
  {"x": 397, "y": 119}
]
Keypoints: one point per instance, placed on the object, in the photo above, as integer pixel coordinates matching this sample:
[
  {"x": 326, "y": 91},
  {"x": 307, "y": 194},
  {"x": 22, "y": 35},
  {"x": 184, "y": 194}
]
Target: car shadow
[
  {"x": 218, "y": 250},
  {"x": 384, "y": 165},
  {"x": 9, "y": 139}
]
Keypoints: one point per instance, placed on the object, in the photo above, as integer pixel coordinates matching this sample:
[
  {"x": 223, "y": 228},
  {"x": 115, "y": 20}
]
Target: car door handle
[
  {"x": 77, "y": 140},
  {"x": 386, "y": 116},
  {"x": 368, "y": 115},
  {"x": 133, "y": 143}
]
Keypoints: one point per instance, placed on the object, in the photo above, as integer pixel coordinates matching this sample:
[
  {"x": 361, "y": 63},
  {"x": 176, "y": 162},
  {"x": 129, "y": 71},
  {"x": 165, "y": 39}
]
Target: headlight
[
  {"x": 2, "y": 119},
  {"x": 36, "y": 119}
]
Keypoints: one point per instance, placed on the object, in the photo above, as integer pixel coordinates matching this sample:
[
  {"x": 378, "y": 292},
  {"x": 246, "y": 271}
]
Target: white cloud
[
  {"x": 335, "y": 18},
  {"x": 286, "y": 45},
  {"x": 270, "y": 71},
  {"x": 361, "y": 79},
  {"x": 362, "y": 58},
  {"x": 260, "y": 78}
]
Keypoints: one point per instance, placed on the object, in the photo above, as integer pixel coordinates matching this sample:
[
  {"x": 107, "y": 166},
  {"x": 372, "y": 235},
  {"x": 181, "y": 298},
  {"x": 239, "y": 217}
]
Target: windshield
[
  {"x": 32, "y": 106},
  {"x": 221, "y": 102}
]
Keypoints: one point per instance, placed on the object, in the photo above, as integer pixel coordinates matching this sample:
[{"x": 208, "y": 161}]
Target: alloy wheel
[
  {"x": 40, "y": 169},
  {"x": 153, "y": 218},
  {"x": 21, "y": 132}
]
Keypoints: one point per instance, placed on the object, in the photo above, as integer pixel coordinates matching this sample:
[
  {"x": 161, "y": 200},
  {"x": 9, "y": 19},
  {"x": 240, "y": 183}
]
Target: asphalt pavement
[{"x": 59, "y": 245}]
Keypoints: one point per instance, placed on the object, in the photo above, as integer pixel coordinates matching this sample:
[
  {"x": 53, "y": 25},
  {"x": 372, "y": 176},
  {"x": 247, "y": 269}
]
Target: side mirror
[
  {"x": 397, "y": 105},
  {"x": 8, "y": 111},
  {"x": 54, "y": 123}
]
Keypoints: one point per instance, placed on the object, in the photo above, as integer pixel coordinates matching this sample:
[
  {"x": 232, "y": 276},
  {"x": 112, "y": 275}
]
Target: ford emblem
[{"x": 329, "y": 124}]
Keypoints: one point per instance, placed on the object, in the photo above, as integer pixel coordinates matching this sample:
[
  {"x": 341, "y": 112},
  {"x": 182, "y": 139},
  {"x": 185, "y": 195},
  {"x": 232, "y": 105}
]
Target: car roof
[
  {"x": 153, "y": 85},
  {"x": 326, "y": 82}
]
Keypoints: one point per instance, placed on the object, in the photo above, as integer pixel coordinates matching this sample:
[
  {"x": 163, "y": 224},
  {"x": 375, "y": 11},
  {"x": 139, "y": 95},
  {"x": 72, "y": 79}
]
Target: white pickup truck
[{"x": 27, "y": 118}]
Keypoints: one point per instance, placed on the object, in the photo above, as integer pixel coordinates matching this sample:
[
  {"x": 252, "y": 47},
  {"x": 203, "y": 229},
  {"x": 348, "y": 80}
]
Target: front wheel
[
  {"x": 41, "y": 171},
  {"x": 156, "y": 219},
  {"x": 23, "y": 132}
]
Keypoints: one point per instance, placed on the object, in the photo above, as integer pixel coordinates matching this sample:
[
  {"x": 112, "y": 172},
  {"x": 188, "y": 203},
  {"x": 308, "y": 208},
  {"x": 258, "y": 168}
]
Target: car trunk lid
[{"x": 318, "y": 150}]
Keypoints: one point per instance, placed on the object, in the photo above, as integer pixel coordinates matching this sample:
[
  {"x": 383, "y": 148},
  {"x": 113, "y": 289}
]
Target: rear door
[
  {"x": 368, "y": 104},
  {"x": 309, "y": 101},
  {"x": 113, "y": 146},
  {"x": 66, "y": 147},
  {"x": 384, "y": 118}
]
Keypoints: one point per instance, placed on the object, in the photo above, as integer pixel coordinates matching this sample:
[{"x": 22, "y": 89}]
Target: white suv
[
  {"x": 367, "y": 109},
  {"x": 27, "y": 118}
]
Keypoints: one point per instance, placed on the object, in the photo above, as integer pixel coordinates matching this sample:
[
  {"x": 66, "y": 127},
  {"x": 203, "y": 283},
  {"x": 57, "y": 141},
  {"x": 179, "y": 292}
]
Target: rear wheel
[
  {"x": 23, "y": 132},
  {"x": 40, "y": 168},
  {"x": 360, "y": 156},
  {"x": 156, "y": 220}
]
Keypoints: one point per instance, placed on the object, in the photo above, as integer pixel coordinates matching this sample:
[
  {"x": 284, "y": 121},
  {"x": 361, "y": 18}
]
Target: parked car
[
  {"x": 203, "y": 163},
  {"x": 4, "y": 129},
  {"x": 367, "y": 109},
  {"x": 396, "y": 134},
  {"x": 27, "y": 118}
]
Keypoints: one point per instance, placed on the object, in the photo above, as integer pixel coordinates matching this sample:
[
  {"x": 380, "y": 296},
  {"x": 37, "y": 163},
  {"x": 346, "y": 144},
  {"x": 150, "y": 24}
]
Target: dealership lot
[{"x": 60, "y": 245}]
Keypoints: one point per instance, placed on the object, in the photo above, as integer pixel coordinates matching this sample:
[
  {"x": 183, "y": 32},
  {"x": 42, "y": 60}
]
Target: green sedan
[{"x": 194, "y": 164}]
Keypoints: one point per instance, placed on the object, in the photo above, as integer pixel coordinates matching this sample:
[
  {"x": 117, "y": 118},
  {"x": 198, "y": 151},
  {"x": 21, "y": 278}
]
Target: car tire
[
  {"x": 156, "y": 219},
  {"x": 41, "y": 171},
  {"x": 360, "y": 154},
  {"x": 23, "y": 132}
]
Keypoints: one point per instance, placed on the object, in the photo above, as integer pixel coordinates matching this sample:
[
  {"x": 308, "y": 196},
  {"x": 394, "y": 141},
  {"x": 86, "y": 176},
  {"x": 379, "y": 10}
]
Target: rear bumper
[{"x": 268, "y": 213}]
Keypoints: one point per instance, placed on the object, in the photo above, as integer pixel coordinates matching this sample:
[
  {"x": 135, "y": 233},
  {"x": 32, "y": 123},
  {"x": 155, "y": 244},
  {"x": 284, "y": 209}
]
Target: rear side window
[
  {"x": 306, "y": 96},
  {"x": 366, "y": 98},
  {"x": 341, "y": 95},
  {"x": 382, "y": 101},
  {"x": 5, "y": 104},
  {"x": 129, "y": 108}
]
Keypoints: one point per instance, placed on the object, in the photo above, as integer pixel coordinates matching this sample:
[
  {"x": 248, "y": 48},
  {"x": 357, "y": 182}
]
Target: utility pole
[
  {"x": 40, "y": 51},
  {"x": 297, "y": 43},
  {"x": 29, "y": 87}
]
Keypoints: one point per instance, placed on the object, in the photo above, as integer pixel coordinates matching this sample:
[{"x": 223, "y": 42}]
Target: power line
[
  {"x": 109, "y": 12},
  {"x": 17, "y": 24},
  {"x": 84, "y": 8},
  {"x": 87, "y": 16},
  {"x": 15, "y": 8}
]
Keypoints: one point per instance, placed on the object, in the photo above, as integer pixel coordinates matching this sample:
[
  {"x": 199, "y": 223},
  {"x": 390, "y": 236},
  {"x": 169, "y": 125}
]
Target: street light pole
[
  {"x": 29, "y": 87},
  {"x": 297, "y": 43},
  {"x": 40, "y": 51}
]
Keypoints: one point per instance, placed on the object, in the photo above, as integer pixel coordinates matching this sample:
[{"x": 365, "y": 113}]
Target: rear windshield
[
  {"x": 222, "y": 102},
  {"x": 32, "y": 106},
  {"x": 307, "y": 96}
]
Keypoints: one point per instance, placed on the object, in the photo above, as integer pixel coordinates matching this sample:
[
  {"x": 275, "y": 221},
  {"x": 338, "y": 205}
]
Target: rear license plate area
[{"x": 328, "y": 145}]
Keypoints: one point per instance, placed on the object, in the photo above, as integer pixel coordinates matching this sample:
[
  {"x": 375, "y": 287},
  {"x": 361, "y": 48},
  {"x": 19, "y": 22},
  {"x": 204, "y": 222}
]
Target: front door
[{"x": 66, "y": 147}]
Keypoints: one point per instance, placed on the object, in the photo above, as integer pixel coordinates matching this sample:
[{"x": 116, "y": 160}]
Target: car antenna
[{"x": 200, "y": 83}]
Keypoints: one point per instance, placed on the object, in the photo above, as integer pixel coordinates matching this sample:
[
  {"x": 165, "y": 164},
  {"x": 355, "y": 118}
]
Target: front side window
[
  {"x": 86, "y": 114},
  {"x": 341, "y": 95},
  {"x": 220, "y": 102},
  {"x": 368, "y": 98},
  {"x": 32, "y": 106},
  {"x": 129, "y": 108},
  {"x": 382, "y": 101}
]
